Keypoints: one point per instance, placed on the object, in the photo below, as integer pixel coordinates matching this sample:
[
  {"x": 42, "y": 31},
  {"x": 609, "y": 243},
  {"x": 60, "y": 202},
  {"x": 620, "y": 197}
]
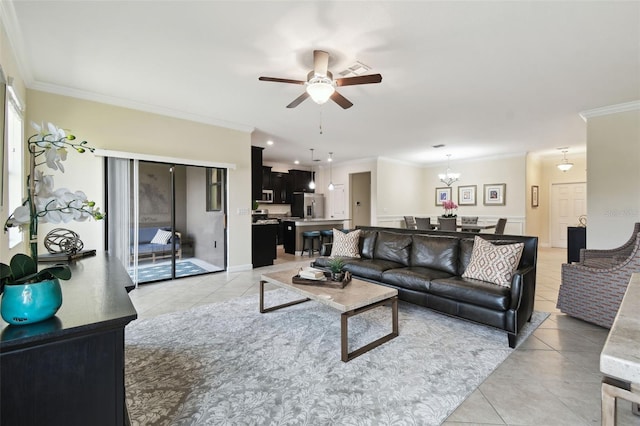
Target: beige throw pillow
[
  {"x": 493, "y": 263},
  {"x": 345, "y": 245}
]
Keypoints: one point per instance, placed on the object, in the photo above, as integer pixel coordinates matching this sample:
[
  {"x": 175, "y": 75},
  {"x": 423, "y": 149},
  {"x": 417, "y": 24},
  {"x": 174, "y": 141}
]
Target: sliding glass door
[{"x": 175, "y": 217}]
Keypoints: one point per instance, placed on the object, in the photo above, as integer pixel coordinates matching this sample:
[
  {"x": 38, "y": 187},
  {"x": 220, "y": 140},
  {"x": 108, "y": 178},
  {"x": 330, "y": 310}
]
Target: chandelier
[
  {"x": 448, "y": 178},
  {"x": 565, "y": 164}
]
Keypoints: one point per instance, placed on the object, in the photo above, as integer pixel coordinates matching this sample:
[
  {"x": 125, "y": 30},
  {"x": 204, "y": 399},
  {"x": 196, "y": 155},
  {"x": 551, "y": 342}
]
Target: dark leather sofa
[{"x": 426, "y": 268}]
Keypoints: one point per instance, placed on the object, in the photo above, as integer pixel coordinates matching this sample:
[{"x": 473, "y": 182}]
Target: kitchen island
[{"x": 294, "y": 227}]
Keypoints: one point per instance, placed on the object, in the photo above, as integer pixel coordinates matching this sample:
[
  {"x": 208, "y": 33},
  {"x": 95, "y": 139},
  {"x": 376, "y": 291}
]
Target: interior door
[
  {"x": 568, "y": 202},
  {"x": 360, "y": 187}
]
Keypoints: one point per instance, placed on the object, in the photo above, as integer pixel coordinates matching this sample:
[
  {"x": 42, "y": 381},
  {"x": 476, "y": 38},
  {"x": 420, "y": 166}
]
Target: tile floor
[{"x": 551, "y": 379}]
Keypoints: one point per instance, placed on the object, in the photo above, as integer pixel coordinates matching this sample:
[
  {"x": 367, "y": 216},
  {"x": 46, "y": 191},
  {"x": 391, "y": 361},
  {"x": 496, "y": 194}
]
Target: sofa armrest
[{"x": 522, "y": 287}]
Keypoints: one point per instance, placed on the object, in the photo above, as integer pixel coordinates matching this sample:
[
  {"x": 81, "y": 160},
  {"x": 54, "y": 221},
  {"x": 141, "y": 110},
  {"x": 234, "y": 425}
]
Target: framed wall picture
[
  {"x": 467, "y": 195},
  {"x": 495, "y": 194},
  {"x": 534, "y": 196},
  {"x": 442, "y": 194}
]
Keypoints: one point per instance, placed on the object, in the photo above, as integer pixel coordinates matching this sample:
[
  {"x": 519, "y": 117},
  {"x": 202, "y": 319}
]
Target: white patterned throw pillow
[
  {"x": 493, "y": 263},
  {"x": 345, "y": 245},
  {"x": 161, "y": 237}
]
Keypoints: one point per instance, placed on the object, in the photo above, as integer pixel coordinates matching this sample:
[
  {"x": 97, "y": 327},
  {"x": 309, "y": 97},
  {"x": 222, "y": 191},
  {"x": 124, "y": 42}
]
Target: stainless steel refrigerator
[{"x": 307, "y": 205}]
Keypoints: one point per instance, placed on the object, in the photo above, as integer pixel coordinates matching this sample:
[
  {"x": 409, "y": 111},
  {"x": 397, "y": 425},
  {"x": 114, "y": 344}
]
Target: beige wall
[
  {"x": 613, "y": 173},
  {"x": 121, "y": 129}
]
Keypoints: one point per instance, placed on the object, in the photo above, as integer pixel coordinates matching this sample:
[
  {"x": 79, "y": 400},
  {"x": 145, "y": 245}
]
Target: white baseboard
[{"x": 240, "y": 268}]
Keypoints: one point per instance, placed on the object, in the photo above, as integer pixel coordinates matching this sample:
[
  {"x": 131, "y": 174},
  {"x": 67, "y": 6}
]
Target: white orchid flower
[
  {"x": 43, "y": 184},
  {"x": 55, "y": 157},
  {"x": 22, "y": 215}
]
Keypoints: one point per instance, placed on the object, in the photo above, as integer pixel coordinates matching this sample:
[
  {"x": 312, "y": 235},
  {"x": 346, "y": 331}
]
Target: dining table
[
  {"x": 475, "y": 228},
  {"x": 468, "y": 227}
]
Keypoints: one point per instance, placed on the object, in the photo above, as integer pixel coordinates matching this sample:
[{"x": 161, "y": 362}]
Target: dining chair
[
  {"x": 447, "y": 224},
  {"x": 423, "y": 223},
  {"x": 410, "y": 222},
  {"x": 502, "y": 222},
  {"x": 469, "y": 220}
]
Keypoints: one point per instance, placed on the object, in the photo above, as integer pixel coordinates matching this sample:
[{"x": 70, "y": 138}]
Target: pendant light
[
  {"x": 565, "y": 165},
  {"x": 331, "y": 186},
  {"x": 312, "y": 184}
]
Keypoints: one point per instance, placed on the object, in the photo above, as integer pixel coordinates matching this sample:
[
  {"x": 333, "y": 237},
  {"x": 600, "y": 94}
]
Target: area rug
[
  {"x": 184, "y": 268},
  {"x": 227, "y": 364}
]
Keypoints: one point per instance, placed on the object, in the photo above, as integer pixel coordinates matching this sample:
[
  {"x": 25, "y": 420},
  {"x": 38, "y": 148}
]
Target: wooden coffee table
[{"x": 357, "y": 297}]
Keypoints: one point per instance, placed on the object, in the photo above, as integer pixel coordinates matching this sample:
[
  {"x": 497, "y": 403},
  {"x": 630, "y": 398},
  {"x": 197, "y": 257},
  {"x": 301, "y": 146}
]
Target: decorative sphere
[{"x": 62, "y": 240}]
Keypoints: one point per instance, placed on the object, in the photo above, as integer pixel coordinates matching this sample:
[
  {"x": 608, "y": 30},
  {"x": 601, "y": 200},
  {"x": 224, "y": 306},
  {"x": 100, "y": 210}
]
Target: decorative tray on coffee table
[{"x": 326, "y": 282}]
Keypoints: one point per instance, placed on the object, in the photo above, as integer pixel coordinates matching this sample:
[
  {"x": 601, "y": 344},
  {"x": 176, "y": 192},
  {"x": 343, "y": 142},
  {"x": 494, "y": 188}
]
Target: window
[
  {"x": 215, "y": 189},
  {"x": 15, "y": 167}
]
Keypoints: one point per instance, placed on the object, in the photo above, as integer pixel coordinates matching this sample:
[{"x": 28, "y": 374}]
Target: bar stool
[
  {"x": 312, "y": 237},
  {"x": 326, "y": 236}
]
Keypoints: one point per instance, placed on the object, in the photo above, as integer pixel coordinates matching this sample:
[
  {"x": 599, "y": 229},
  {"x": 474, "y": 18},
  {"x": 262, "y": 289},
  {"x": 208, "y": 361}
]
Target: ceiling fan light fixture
[{"x": 320, "y": 89}]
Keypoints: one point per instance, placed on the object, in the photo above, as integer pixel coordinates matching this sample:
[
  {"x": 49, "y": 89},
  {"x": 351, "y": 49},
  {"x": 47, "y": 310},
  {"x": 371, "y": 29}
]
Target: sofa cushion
[
  {"x": 161, "y": 237},
  {"x": 475, "y": 292},
  {"x": 412, "y": 277},
  {"x": 393, "y": 247},
  {"x": 367, "y": 243},
  {"x": 345, "y": 244},
  {"x": 494, "y": 263},
  {"x": 435, "y": 252},
  {"x": 369, "y": 268}
]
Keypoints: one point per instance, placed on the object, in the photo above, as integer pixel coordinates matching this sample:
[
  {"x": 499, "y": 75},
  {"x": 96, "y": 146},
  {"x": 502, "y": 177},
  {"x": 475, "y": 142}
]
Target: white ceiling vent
[{"x": 356, "y": 69}]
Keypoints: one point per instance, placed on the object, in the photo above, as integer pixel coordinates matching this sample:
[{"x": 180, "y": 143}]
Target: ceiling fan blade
[
  {"x": 361, "y": 79},
  {"x": 320, "y": 62},
  {"x": 341, "y": 100},
  {"x": 297, "y": 101},
  {"x": 281, "y": 80}
]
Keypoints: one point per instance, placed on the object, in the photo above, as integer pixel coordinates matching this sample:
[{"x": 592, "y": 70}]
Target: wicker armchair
[{"x": 592, "y": 290}]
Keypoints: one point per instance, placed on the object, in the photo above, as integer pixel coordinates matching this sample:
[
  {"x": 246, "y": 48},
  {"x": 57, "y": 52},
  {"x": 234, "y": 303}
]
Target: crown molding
[
  {"x": 140, "y": 106},
  {"x": 14, "y": 34},
  {"x": 611, "y": 109}
]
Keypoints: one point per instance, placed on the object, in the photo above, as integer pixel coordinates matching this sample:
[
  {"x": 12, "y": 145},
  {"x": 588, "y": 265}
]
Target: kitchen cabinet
[
  {"x": 256, "y": 173},
  {"x": 279, "y": 183},
  {"x": 263, "y": 244},
  {"x": 576, "y": 240},
  {"x": 289, "y": 236},
  {"x": 266, "y": 178},
  {"x": 299, "y": 181}
]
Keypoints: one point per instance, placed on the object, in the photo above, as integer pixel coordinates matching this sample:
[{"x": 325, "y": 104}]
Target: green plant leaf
[
  {"x": 61, "y": 272},
  {"x": 5, "y": 271},
  {"x": 22, "y": 266}
]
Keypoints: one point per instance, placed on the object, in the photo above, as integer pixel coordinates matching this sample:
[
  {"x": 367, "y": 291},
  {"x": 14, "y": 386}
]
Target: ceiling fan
[{"x": 321, "y": 86}]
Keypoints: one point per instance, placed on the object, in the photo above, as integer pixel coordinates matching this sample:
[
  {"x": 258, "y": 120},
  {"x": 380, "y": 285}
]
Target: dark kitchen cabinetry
[
  {"x": 576, "y": 240},
  {"x": 256, "y": 173},
  {"x": 279, "y": 182},
  {"x": 299, "y": 181},
  {"x": 266, "y": 178},
  {"x": 263, "y": 244},
  {"x": 289, "y": 236}
]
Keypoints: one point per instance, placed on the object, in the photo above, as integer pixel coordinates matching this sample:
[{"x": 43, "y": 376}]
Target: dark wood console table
[{"x": 69, "y": 370}]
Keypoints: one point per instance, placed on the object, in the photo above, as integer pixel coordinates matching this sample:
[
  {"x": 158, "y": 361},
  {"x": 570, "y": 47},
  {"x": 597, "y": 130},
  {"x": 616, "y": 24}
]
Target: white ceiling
[{"x": 485, "y": 78}]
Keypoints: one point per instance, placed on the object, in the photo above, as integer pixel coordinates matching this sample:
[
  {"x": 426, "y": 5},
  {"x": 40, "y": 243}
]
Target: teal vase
[{"x": 29, "y": 303}]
